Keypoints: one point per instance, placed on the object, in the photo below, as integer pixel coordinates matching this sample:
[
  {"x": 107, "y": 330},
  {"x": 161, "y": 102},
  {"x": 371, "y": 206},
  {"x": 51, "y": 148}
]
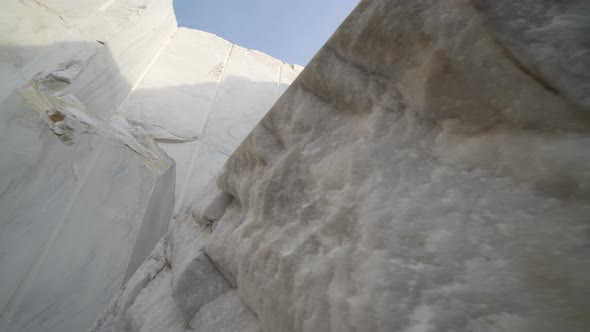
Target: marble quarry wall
[
  {"x": 429, "y": 170},
  {"x": 107, "y": 108}
]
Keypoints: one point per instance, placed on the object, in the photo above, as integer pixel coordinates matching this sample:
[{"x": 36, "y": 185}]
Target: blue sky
[{"x": 289, "y": 30}]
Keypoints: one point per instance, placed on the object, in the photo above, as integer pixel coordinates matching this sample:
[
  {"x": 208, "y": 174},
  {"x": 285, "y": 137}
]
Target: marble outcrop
[{"x": 427, "y": 171}]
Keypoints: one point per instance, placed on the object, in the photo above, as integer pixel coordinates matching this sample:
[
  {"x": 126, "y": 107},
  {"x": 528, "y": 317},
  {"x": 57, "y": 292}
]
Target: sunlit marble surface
[
  {"x": 429, "y": 170},
  {"x": 201, "y": 98}
]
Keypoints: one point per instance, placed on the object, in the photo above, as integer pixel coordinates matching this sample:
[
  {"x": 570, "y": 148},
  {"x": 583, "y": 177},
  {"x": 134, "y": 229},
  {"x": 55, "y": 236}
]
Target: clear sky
[{"x": 289, "y": 30}]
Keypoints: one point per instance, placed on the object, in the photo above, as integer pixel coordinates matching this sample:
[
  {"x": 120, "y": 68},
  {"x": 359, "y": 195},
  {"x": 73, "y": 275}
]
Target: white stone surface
[
  {"x": 204, "y": 164},
  {"x": 84, "y": 195},
  {"x": 200, "y": 99},
  {"x": 179, "y": 89},
  {"x": 227, "y": 313},
  {"x": 71, "y": 214},
  {"x": 240, "y": 98},
  {"x": 178, "y": 288},
  {"x": 427, "y": 171}
]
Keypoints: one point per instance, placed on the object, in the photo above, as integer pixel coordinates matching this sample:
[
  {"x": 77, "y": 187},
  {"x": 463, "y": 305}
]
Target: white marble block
[{"x": 104, "y": 110}]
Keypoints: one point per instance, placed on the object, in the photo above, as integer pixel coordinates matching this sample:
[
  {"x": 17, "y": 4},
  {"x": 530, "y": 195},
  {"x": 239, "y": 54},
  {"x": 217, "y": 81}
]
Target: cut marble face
[
  {"x": 98, "y": 146},
  {"x": 427, "y": 171},
  {"x": 199, "y": 114}
]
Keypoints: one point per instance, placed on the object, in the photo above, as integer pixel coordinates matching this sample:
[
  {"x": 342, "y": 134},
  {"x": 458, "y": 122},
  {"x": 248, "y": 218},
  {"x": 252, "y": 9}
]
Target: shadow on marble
[
  {"x": 69, "y": 215},
  {"x": 76, "y": 221}
]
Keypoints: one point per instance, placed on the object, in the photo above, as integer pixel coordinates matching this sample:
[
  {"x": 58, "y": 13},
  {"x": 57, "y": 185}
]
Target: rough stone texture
[
  {"x": 427, "y": 171},
  {"x": 207, "y": 94}
]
